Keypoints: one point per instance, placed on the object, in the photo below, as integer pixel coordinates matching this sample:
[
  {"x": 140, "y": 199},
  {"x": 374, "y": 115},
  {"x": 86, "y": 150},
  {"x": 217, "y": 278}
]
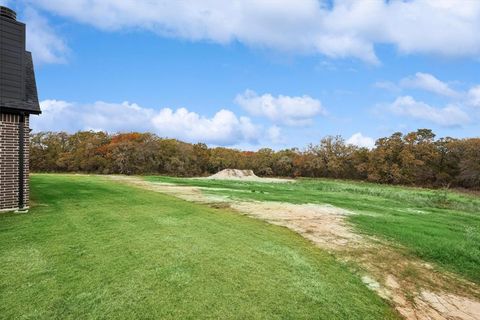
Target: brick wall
[{"x": 9, "y": 147}]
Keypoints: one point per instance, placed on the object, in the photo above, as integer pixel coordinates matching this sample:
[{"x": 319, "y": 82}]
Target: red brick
[{"x": 9, "y": 161}]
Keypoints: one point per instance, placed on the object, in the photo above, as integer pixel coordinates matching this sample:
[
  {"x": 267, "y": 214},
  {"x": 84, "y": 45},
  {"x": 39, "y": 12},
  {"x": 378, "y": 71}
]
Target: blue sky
[{"x": 256, "y": 73}]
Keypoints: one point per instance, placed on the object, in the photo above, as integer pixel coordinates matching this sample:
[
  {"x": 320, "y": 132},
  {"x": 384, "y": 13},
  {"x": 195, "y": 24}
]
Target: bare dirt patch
[
  {"x": 415, "y": 288},
  {"x": 322, "y": 224}
]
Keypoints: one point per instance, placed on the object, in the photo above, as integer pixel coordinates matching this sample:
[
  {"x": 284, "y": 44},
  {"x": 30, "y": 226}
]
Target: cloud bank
[
  {"x": 224, "y": 128},
  {"x": 474, "y": 96},
  {"x": 284, "y": 110},
  {"x": 449, "y": 116},
  {"x": 43, "y": 41},
  {"x": 454, "y": 114},
  {"x": 359, "y": 140},
  {"x": 428, "y": 82},
  {"x": 344, "y": 28}
]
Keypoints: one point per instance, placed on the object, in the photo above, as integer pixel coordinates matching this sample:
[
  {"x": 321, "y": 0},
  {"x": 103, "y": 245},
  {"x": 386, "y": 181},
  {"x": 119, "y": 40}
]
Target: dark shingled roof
[
  {"x": 18, "y": 90},
  {"x": 30, "y": 104}
]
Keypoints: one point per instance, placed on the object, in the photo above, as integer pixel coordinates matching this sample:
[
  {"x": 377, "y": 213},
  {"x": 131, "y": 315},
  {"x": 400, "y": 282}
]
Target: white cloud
[
  {"x": 449, "y": 116},
  {"x": 42, "y": 40},
  {"x": 387, "y": 85},
  {"x": 274, "y": 134},
  {"x": 224, "y": 128},
  {"x": 286, "y": 110},
  {"x": 428, "y": 82},
  {"x": 474, "y": 96},
  {"x": 346, "y": 28},
  {"x": 359, "y": 140}
]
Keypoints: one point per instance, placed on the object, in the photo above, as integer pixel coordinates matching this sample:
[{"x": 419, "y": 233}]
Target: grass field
[
  {"x": 95, "y": 249},
  {"x": 435, "y": 225}
]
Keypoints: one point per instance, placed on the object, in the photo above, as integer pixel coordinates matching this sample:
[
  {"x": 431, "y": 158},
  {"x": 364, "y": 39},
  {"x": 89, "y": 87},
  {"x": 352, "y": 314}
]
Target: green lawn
[
  {"x": 95, "y": 249},
  {"x": 440, "y": 227}
]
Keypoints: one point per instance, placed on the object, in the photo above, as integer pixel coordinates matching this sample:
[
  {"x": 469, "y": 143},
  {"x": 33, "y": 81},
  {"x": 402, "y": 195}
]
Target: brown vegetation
[{"x": 416, "y": 158}]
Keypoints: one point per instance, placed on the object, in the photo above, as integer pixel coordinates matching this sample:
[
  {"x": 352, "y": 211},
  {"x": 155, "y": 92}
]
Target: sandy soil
[
  {"x": 244, "y": 175},
  {"x": 414, "y": 287}
]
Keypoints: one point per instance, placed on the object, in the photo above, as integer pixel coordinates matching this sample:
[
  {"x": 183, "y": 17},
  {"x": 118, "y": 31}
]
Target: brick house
[{"x": 18, "y": 100}]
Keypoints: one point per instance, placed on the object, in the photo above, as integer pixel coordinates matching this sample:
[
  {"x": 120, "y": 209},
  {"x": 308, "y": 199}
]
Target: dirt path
[{"x": 414, "y": 288}]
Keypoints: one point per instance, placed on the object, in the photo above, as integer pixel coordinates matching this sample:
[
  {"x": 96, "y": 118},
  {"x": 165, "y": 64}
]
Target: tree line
[{"x": 416, "y": 158}]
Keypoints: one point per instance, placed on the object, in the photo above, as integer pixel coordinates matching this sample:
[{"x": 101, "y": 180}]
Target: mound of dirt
[
  {"x": 245, "y": 175},
  {"x": 233, "y": 173}
]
